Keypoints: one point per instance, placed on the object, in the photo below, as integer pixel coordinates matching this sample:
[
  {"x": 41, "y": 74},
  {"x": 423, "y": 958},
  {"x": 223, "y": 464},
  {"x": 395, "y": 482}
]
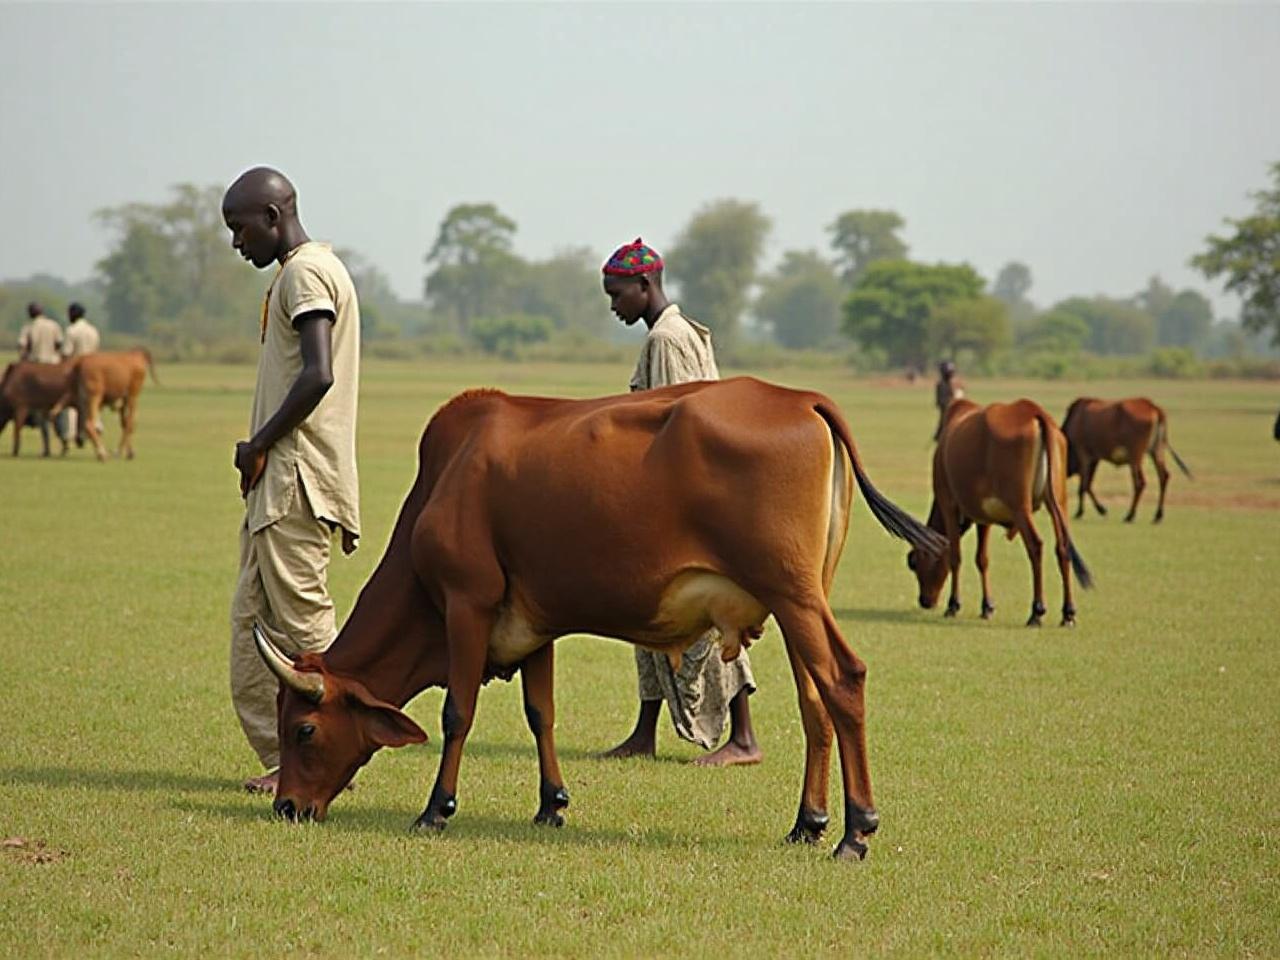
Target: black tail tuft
[
  {"x": 1178, "y": 460},
  {"x": 898, "y": 522},
  {"x": 1077, "y": 564}
]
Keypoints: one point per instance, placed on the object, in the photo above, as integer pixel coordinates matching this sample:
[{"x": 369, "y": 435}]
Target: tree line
[{"x": 170, "y": 277}]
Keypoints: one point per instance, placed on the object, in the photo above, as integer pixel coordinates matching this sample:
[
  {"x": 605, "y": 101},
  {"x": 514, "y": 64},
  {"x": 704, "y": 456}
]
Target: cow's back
[
  {"x": 113, "y": 374},
  {"x": 697, "y": 477},
  {"x": 991, "y": 459}
]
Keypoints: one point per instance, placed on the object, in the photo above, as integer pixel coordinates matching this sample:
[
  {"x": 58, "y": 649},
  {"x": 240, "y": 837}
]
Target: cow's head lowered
[
  {"x": 329, "y": 727},
  {"x": 931, "y": 569}
]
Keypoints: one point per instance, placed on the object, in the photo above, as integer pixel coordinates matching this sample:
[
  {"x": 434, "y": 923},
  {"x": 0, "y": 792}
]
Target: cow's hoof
[
  {"x": 1129, "y": 518},
  {"x": 1159, "y": 517},
  {"x": 953, "y": 607},
  {"x": 810, "y": 825},
  {"x": 1102, "y": 511},
  {"x": 850, "y": 848},
  {"x": 1068, "y": 622},
  {"x": 1034, "y": 620},
  {"x": 548, "y": 818},
  {"x": 429, "y": 822},
  {"x": 987, "y": 610}
]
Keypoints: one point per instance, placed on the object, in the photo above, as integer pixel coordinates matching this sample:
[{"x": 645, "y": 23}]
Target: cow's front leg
[
  {"x": 468, "y": 630},
  {"x": 537, "y": 677},
  {"x": 953, "y": 559},
  {"x": 812, "y": 818}
]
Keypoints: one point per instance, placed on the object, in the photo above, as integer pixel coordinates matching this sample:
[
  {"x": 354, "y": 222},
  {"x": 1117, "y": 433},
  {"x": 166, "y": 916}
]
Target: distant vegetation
[{"x": 171, "y": 280}]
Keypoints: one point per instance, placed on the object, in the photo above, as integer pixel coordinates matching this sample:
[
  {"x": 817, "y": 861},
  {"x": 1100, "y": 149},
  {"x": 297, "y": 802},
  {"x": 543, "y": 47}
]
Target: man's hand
[
  {"x": 252, "y": 463},
  {"x": 348, "y": 542}
]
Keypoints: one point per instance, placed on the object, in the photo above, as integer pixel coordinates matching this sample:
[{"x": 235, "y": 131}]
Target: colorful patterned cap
[{"x": 633, "y": 259}]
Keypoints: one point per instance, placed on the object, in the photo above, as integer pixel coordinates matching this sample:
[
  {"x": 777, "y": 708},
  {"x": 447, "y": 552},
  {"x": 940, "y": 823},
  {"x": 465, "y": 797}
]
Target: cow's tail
[
  {"x": 1164, "y": 438},
  {"x": 1055, "y": 509},
  {"x": 891, "y": 516},
  {"x": 150, "y": 366}
]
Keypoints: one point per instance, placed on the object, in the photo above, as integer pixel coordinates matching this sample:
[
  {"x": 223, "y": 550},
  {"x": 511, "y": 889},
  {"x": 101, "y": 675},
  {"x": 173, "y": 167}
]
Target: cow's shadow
[{"x": 467, "y": 827}]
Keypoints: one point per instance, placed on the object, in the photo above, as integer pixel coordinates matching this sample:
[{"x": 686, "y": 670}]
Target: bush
[
  {"x": 504, "y": 335},
  {"x": 1177, "y": 363}
]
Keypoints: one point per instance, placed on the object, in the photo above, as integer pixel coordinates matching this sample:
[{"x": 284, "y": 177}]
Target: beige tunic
[
  {"x": 322, "y": 449},
  {"x": 678, "y": 350},
  {"x": 81, "y": 339},
  {"x": 40, "y": 340}
]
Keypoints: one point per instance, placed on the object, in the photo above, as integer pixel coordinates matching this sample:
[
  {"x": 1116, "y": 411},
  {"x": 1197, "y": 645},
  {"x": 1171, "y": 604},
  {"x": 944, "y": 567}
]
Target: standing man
[
  {"x": 40, "y": 337},
  {"x": 81, "y": 339},
  {"x": 949, "y": 387},
  {"x": 298, "y": 467},
  {"x": 705, "y": 688}
]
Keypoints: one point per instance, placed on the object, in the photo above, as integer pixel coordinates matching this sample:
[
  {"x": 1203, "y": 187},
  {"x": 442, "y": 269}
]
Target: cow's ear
[{"x": 384, "y": 724}]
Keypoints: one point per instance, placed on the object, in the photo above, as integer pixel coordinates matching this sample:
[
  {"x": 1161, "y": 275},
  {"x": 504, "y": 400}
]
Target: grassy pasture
[{"x": 1110, "y": 789}]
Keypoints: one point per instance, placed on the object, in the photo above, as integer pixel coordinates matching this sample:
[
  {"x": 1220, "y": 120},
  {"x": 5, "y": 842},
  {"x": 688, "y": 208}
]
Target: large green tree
[
  {"x": 714, "y": 263},
  {"x": 895, "y": 303},
  {"x": 861, "y": 237},
  {"x": 172, "y": 264},
  {"x": 1116, "y": 327},
  {"x": 566, "y": 288},
  {"x": 473, "y": 270},
  {"x": 978, "y": 326},
  {"x": 1185, "y": 321},
  {"x": 1249, "y": 259},
  {"x": 801, "y": 300}
]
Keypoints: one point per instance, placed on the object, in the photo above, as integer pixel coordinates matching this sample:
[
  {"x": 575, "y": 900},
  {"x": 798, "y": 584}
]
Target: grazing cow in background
[
  {"x": 524, "y": 524},
  {"x": 1119, "y": 432},
  {"x": 41, "y": 388},
  {"x": 996, "y": 465},
  {"x": 105, "y": 379}
]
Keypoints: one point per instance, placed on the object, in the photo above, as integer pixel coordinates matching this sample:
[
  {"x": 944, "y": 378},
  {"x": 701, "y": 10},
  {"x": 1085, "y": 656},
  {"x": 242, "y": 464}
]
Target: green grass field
[{"x": 1109, "y": 789}]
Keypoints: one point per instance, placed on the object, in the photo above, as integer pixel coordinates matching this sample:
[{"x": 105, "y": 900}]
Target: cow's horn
[{"x": 309, "y": 685}]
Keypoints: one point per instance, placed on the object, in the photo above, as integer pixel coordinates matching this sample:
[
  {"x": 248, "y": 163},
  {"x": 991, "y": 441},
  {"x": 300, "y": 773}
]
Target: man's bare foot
[
  {"x": 630, "y": 747},
  {"x": 732, "y": 754},
  {"x": 263, "y": 784}
]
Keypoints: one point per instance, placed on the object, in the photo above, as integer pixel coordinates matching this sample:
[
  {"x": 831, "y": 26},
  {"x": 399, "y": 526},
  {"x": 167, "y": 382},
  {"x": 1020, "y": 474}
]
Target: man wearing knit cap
[{"x": 704, "y": 689}]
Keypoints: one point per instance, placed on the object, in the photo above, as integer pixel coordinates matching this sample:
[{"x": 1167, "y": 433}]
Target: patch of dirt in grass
[
  {"x": 26, "y": 850},
  {"x": 1227, "y": 501}
]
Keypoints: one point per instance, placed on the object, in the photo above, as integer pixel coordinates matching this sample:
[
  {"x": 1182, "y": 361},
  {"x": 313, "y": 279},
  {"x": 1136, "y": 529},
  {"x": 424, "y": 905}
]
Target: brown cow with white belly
[
  {"x": 1119, "y": 432},
  {"x": 648, "y": 517},
  {"x": 996, "y": 465},
  {"x": 106, "y": 379}
]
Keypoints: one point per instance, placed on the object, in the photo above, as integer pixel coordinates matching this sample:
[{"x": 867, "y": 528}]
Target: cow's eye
[{"x": 305, "y": 732}]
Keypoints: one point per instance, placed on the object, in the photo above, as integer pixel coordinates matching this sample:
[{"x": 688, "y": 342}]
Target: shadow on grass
[
  {"x": 469, "y": 827},
  {"x": 131, "y": 780},
  {"x": 928, "y": 619}
]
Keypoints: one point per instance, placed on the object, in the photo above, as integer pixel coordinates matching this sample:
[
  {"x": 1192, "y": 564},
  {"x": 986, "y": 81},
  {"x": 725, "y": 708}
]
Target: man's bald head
[
  {"x": 260, "y": 187},
  {"x": 261, "y": 211}
]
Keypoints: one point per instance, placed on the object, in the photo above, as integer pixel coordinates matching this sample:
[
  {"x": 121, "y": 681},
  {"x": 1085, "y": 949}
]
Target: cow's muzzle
[
  {"x": 928, "y": 603},
  {"x": 286, "y": 809}
]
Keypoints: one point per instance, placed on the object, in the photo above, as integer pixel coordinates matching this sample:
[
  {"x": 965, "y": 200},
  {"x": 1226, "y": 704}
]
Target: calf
[
  {"x": 996, "y": 465},
  {"x": 1119, "y": 432}
]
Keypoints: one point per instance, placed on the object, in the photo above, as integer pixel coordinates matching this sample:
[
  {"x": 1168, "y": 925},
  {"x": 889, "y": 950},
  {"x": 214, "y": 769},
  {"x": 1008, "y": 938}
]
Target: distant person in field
[
  {"x": 80, "y": 340},
  {"x": 38, "y": 342},
  {"x": 704, "y": 689},
  {"x": 298, "y": 467},
  {"x": 949, "y": 387},
  {"x": 40, "y": 337}
]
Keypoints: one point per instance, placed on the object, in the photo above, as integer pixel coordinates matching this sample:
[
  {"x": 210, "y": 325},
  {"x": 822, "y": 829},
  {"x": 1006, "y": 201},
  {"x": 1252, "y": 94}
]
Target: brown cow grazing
[
  {"x": 996, "y": 465},
  {"x": 105, "y": 379},
  {"x": 1120, "y": 432},
  {"x": 39, "y": 388},
  {"x": 523, "y": 525}
]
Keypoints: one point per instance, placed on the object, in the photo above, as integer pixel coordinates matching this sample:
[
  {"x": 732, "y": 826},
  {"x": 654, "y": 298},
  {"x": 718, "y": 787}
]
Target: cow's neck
[{"x": 393, "y": 641}]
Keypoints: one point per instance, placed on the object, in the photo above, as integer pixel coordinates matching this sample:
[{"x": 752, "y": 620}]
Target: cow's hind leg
[
  {"x": 91, "y": 413},
  {"x": 1139, "y": 484},
  {"x": 839, "y": 677},
  {"x": 1035, "y": 549},
  {"x": 468, "y": 629},
  {"x": 1162, "y": 473},
  {"x": 19, "y": 421},
  {"x": 812, "y": 819},
  {"x": 537, "y": 676},
  {"x": 128, "y": 407},
  {"x": 982, "y": 559}
]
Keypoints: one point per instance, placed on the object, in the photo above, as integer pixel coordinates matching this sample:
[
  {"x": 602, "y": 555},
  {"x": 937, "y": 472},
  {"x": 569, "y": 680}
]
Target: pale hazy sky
[{"x": 1096, "y": 143}]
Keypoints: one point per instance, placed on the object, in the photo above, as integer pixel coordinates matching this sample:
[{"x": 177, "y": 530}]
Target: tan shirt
[
  {"x": 320, "y": 451},
  {"x": 676, "y": 350},
  {"x": 40, "y": 340},
  {"x": 81, "y": 338}
]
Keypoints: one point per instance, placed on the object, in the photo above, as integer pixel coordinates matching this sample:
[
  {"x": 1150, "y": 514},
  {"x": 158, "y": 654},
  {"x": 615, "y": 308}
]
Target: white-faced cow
[
  {"x": 649, "y": 517},
  {"x": 996, "y": 465},
  {"x": 1120, "y": 432}
]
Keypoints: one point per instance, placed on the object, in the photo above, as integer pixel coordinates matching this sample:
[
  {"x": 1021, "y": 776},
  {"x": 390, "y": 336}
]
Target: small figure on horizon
[{"x": 949, "y": 387}]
